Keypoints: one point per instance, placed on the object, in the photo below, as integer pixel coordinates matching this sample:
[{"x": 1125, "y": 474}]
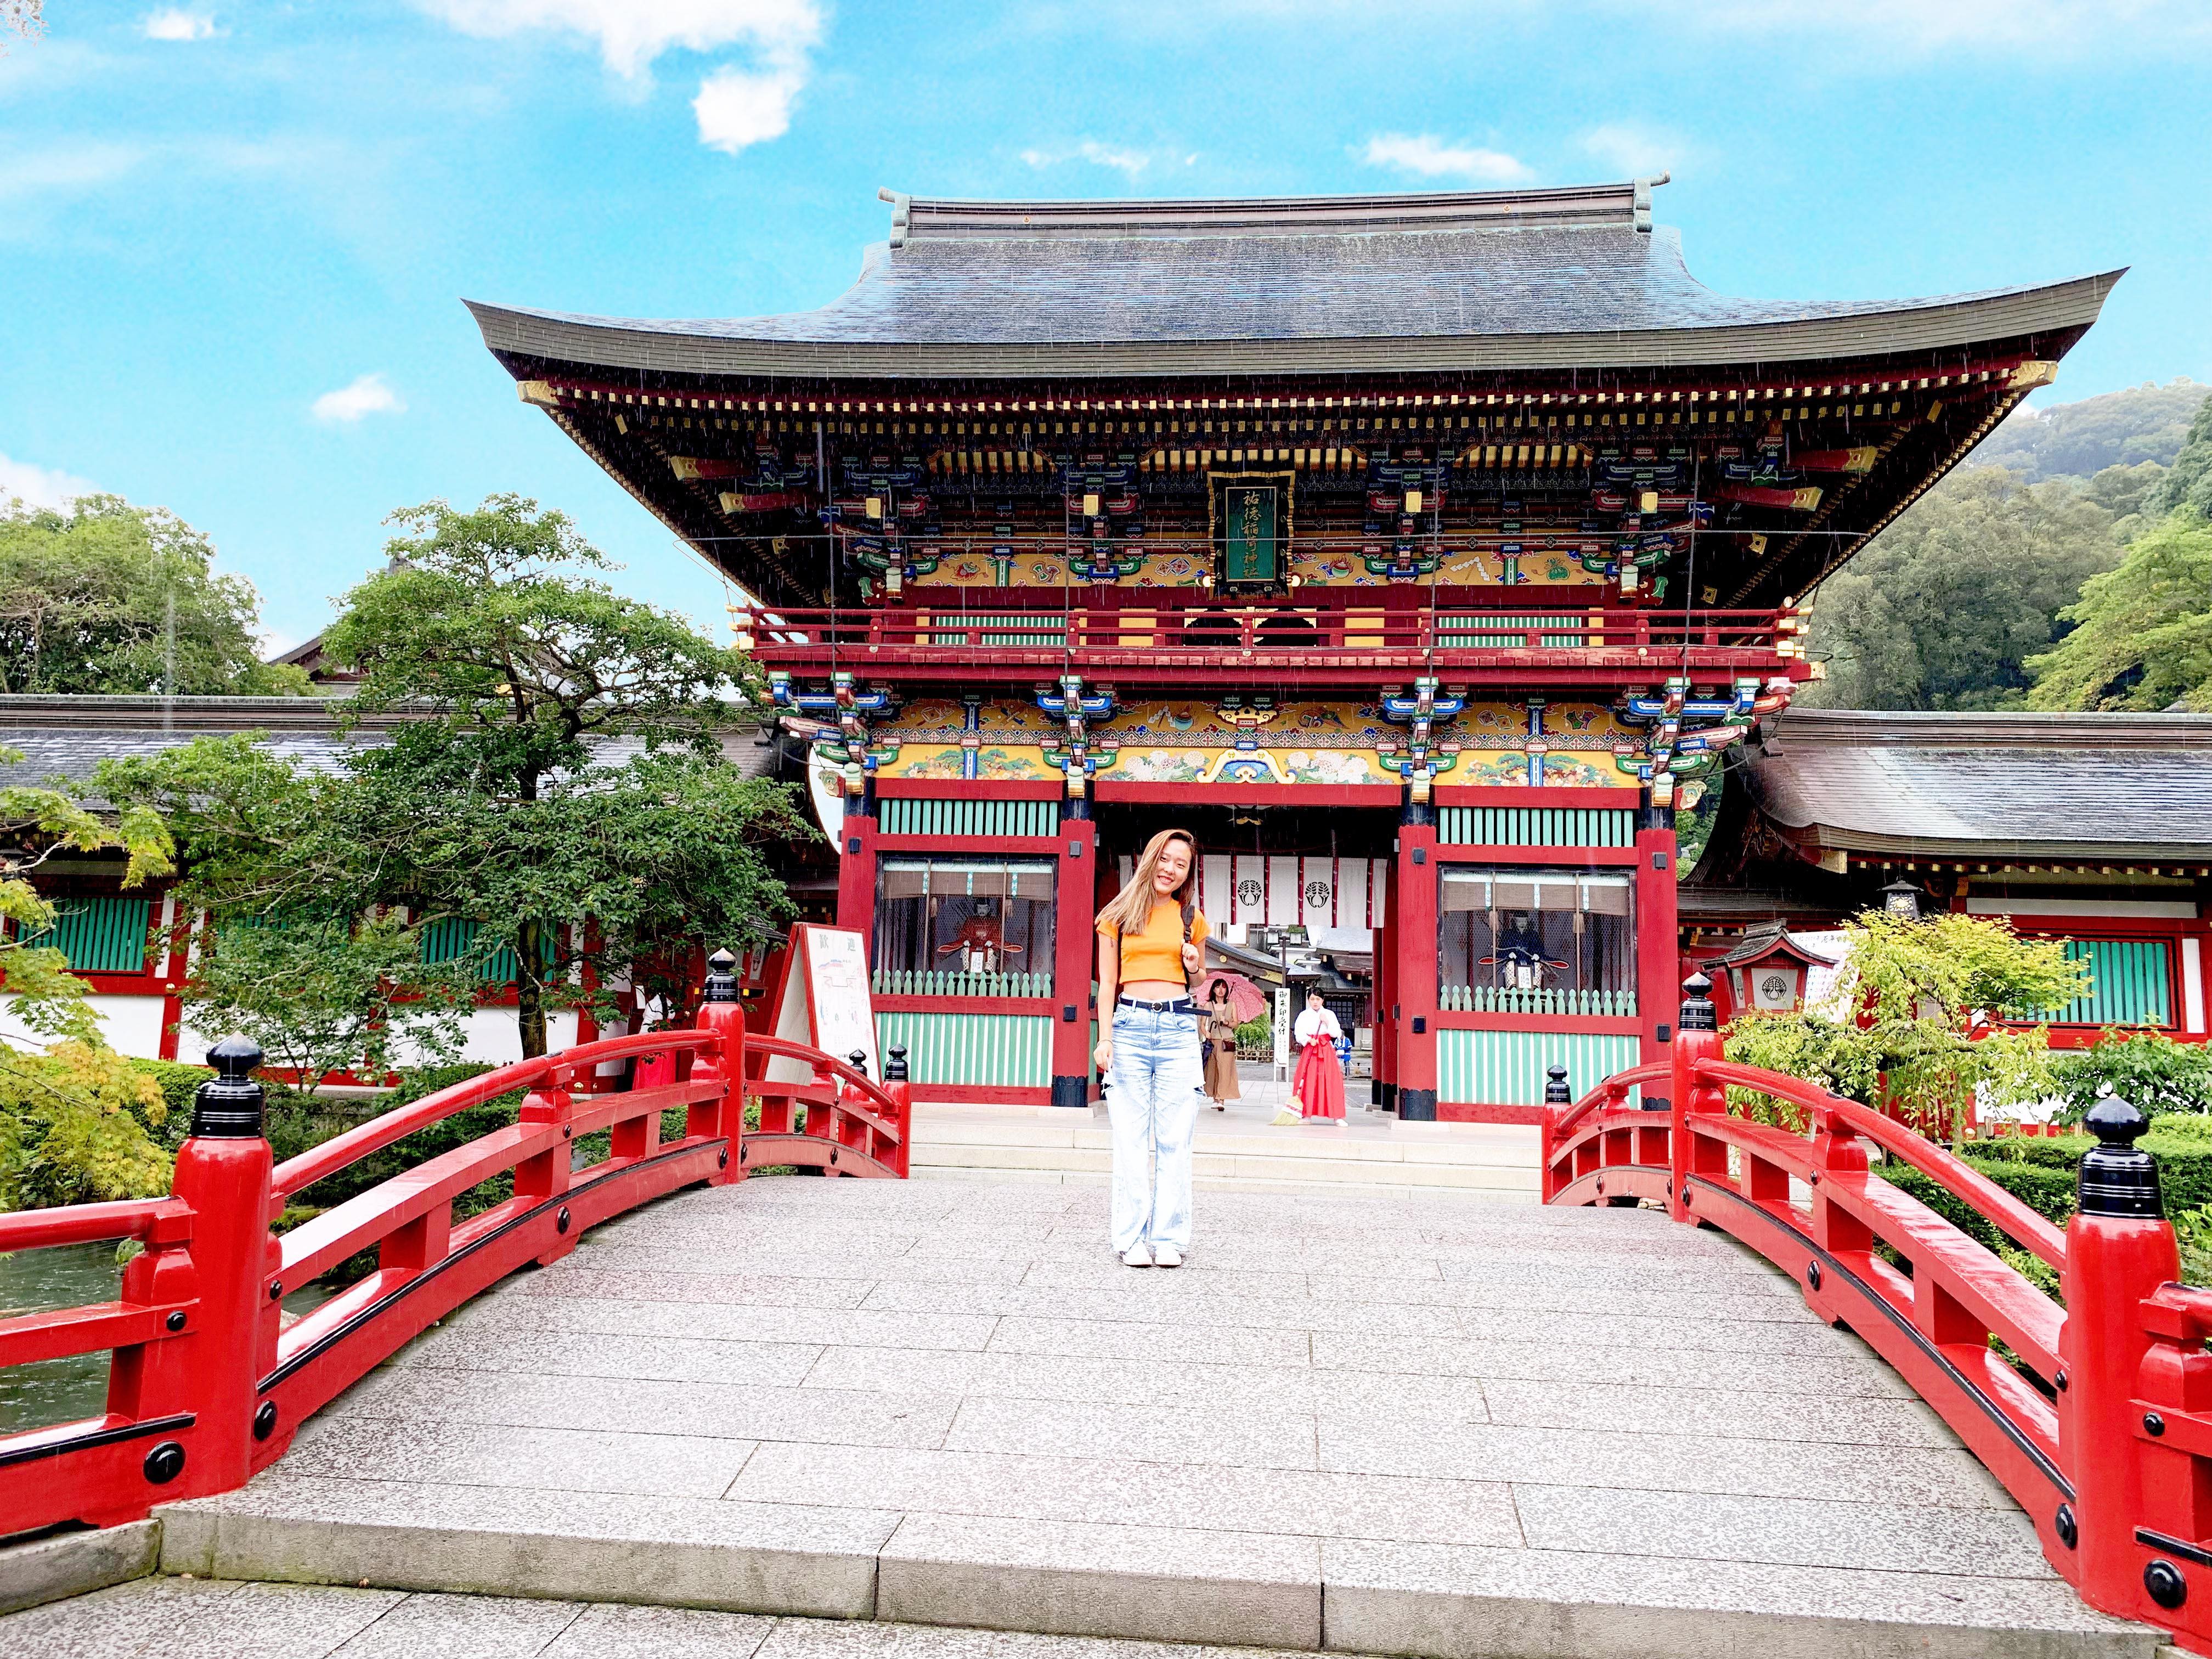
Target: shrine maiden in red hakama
[{"x": 1317, "y": 1086}]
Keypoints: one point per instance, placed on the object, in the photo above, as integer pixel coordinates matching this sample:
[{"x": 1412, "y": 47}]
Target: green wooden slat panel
[
  {"x": 1508, "y": 1068},
  {"x": 102, "y": 934},
  {"x": 1000, "y": 1051},
  {"x": 987, "y": 820},
  {"x": 2131, "y": 984},
  {"x": 1524, "y": 826}
]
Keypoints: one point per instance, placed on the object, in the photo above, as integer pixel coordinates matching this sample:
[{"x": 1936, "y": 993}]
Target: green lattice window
[
  {"x": 455, "y": 937},
  {"x": 2130, "y": 983},
  {"x": 963, "y": 927},
  {"x": 104, "y": 935}
]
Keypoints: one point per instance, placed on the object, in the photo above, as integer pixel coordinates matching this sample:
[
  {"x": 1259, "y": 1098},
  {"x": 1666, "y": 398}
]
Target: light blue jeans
[{"x": 1156, "y": 1082}]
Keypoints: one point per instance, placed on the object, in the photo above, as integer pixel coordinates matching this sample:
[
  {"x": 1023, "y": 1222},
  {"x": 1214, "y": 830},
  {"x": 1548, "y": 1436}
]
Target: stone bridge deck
[{"x": 1422, "y": 1422}]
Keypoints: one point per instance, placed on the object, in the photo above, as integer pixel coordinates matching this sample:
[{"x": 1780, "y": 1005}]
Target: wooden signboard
[
  {"x": 1248, "y": 524},
  {"x": 825, "y": 1000}
]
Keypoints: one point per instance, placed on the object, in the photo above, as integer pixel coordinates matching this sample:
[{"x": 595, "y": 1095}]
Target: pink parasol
[{"x": 1247, "y": 1001}]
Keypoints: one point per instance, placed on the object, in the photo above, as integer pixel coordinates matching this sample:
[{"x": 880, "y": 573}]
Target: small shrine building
[{"x": 1415, "y": 552}]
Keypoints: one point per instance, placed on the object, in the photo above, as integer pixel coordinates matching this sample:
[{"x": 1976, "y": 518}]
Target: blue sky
[{"x": 234, "y": 238}]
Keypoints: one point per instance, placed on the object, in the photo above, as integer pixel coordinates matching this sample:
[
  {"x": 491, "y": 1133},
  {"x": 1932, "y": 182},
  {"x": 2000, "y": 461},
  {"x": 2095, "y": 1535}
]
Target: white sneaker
[
  {"x": 1138, "y": 1256},
  {"x": 1166, "y": 1256}
]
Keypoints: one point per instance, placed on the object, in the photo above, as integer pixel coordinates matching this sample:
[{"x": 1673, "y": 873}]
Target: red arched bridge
[{"x": 2092, "y": 1409}]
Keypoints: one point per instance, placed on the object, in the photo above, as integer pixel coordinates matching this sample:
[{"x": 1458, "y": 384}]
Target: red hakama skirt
[{"x": 1317, "y": 1086}]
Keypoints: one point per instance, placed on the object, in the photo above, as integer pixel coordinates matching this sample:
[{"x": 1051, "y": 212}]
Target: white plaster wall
[{"x": 132, "y": 1025}]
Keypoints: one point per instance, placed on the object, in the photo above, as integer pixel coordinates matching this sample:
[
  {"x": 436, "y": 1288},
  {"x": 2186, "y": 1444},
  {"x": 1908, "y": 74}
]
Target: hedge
[
  {"x": 177, "y": 1083},
  {"x": 2040, "y": 1172}
]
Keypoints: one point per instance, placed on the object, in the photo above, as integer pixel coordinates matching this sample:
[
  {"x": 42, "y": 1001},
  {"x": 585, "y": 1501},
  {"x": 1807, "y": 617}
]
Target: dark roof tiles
[{"x": 1211, "y": 287}]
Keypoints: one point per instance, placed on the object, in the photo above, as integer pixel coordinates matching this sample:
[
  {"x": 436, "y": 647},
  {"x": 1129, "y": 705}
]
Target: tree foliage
[
  {"x": 2147, "y": 1069},
  {"x": 1943, "y": 609},
  {"x": 106, "y": 597},
  {"x": 26, "y": 18},
  {"x": 1907, "y": 1024},
  {"x": 322, "y": 992},
  {"x": 558, "y": 782},
  {"x": 74, "y": 1128},
  {"x": 36, "y": 822},
  {"x": 2189, "y": 484},
  {"x": 2144, "y": 633},
  {"x": 2146, "y": 423}
]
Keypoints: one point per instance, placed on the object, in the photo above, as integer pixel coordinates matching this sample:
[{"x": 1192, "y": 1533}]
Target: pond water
[
  {"x": 65, "y": 1390},
  {"x": 56, "y": 1390}
]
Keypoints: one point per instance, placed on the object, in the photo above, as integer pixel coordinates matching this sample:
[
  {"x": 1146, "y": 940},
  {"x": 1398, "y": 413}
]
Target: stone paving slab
[{"x": 1416, "y": 1423}]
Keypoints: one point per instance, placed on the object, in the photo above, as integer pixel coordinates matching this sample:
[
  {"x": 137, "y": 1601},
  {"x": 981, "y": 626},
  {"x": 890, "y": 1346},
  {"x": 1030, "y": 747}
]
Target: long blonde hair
[{"x": 1132, "y": 907}]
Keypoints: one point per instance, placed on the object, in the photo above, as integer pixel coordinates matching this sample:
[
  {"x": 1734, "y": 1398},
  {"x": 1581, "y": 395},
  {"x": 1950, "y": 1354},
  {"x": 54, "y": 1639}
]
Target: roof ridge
[{"x": 1626, "y": 204}]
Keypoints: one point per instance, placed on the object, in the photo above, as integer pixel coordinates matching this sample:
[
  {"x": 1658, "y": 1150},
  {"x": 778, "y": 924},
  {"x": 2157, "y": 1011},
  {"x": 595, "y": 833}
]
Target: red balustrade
[
  {"x": 955, "y": 637},
  {"x": 208, "y": 1383},
  {"x": 2093, "y": 1409}
]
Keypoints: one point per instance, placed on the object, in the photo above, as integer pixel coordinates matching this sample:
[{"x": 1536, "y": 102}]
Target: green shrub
[
  {"x": 2147, "y": 1067},
  {"x": 1256, "y": 1033},
  {"x": 177, "y": 1083}
]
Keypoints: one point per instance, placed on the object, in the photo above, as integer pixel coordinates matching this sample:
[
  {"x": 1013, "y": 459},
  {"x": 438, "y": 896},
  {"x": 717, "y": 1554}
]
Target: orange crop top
[{"x": 1157, "y": 953}]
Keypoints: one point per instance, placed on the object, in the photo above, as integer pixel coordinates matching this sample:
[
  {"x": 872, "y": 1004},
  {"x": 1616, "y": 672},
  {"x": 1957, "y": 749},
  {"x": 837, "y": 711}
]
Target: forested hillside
[{"x": 1960, "y": 603}]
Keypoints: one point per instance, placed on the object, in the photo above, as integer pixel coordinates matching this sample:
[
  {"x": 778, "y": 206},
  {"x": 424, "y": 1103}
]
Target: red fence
[
  {"x": 209, "y": 1384},
  {"x": 2096, "y": 1415},
  {"x": 1200, "y": 631}
]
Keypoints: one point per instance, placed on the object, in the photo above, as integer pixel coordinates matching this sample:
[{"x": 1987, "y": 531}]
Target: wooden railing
[
  {"x": 1179, "y": 630},
  {"x": 209, "y": 1384},
  {"x": 2093, "y": 1408}
]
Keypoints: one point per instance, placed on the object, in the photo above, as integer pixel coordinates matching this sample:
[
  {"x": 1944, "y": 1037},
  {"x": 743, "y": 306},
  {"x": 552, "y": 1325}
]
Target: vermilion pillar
[
  {"x": 1658, "y": 967},
  {"x": 1073, "y": 913},
  {"x": 1413, "y": 976},
  {"x": 856, "y": 865},
  {"x": 1383, "y": 1021}
]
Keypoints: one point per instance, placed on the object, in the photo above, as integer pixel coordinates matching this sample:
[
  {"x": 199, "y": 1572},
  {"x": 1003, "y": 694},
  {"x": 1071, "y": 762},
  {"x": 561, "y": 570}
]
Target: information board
[{"x": 825, "y": 1001}]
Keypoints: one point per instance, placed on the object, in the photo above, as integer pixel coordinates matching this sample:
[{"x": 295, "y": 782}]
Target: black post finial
[
  {"x": 1556, "y": 1092},
  {"x": 721, "y": 977},
  {"x": 859, "y": 1060},
  {"x": 895, "y": 1067},
  {"x": 227, "y": 1106},
  {"x": 1697, "y": 1005},
  {"x": 2115, "y": 1178}
]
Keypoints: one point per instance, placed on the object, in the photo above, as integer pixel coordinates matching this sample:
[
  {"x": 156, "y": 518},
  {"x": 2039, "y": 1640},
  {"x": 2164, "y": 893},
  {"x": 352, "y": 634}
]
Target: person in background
[
  {"x": 1318, "y": 1085},
  {"x": 1218, "y": 1033},
  {"x": 1150, "y": 936}
]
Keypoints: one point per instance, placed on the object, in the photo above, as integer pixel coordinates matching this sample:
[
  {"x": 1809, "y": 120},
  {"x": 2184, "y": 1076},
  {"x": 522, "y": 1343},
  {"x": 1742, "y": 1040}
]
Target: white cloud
[
  {"x": 738, "y": 107},
  {"x": 175, "y": 23},
  {"x": 368, "y": 395},
  {"x": 41, "y": 486},
  {"x": 1118, "y": 158},
  {"x": 737, "y": 104},
  {"x": 1431, "y": 158},
  {"x": 1633, "y": 151}
]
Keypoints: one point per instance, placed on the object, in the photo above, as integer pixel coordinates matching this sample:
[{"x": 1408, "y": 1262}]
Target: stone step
[
  {"x": 1040, "y": 1579},
  {"x": 1210, "y": 1166}
]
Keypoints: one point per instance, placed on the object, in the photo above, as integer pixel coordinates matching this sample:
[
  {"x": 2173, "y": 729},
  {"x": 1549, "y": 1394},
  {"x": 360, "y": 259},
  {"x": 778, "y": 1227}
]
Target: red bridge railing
[
  {"x": 2094, "y": 1410},
  {"x": 209, "y": 1384}
]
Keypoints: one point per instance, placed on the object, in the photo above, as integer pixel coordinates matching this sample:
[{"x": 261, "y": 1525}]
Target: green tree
[
  {"x": 1899, "y": 1027},
  {"x": 560, "y": 784},
  {"x": 2146, "y": 422},
  {"x": 1942, "y": 609},
  {"x": 74, "y": 1128},
  {"x": 2190, "y": 483},
  {"x": 321, "y": 991},
  {"x": 2144, "y": 633},
  {"x": 106, "y": 597},
  {"x": 36, "y": 822}
]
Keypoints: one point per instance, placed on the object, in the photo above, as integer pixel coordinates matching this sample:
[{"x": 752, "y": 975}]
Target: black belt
[{"x": 1176, "y": 1005}]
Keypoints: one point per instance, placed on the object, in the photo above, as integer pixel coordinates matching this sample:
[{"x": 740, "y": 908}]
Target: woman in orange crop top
[{"x": 1150, "y": 941}]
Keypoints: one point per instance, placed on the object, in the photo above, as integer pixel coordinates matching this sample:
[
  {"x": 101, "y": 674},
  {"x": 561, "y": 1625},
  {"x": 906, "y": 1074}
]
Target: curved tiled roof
[
  {"x": 2010, "y": 785},
  {"x": 1472, "y": 280}
]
